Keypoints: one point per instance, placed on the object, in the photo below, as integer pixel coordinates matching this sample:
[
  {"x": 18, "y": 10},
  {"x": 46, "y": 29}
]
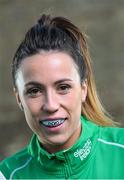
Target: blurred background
[{"x": 102, "y": 20}]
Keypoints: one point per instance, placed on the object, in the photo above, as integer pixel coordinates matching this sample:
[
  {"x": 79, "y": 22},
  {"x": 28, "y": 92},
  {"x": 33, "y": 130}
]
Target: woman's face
[{"x": 49, "y": 89}]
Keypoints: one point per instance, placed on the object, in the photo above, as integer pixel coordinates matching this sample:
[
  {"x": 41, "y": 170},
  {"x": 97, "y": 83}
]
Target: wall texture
[{"x": 103, "y": 21}]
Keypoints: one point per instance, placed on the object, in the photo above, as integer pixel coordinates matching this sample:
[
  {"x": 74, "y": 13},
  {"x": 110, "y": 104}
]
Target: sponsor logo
[{"x": 83, "y": 153}]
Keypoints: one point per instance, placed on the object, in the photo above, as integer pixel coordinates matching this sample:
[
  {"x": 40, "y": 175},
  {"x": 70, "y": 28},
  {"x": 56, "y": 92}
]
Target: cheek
[
  {"x": 73, "y": 102},
  {"x": 32, "y": 105}
]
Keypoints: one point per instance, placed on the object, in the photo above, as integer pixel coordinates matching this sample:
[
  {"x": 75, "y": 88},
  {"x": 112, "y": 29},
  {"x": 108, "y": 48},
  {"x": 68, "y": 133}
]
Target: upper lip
[{"x": 52, "y": 119}]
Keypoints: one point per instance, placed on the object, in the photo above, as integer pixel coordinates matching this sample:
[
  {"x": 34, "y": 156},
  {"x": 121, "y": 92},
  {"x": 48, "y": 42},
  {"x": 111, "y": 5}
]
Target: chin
[
  {"x": 59, "y": 143},
  {"x": 58, "y": 140}
]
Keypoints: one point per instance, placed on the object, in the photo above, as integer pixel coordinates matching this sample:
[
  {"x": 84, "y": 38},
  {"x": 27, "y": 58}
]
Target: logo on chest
[{"x": 83, "y": 152}]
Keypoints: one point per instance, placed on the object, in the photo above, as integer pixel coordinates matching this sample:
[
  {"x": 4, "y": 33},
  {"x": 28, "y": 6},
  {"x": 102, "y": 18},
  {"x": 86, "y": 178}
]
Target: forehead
[
  {"x": 48, "y": 65},
  {"x": 49, "y": 57}
]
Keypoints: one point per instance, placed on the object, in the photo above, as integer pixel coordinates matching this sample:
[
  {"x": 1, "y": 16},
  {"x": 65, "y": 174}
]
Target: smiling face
[{"x": 50, "y": 91}]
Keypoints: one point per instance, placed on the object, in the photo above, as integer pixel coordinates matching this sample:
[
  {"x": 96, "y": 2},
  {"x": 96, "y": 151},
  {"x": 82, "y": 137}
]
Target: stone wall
[{"x": 103, "y": 21}]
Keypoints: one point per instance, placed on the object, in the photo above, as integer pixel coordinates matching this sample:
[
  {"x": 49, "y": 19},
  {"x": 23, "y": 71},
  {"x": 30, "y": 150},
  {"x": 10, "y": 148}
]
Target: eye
[
  {"x": 34, "y": 92},
  {"x": 64, "y": 88}
]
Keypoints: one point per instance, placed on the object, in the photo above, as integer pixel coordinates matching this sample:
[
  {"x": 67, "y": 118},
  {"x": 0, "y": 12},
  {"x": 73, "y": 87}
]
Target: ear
[
  {"x": 84, "y": 90},
  {"x": 18, "y": 98}
]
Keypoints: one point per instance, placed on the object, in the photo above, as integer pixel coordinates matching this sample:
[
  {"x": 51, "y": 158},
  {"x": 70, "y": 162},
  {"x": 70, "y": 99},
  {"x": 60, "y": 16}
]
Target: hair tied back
[{"x": 44, "y": 20}]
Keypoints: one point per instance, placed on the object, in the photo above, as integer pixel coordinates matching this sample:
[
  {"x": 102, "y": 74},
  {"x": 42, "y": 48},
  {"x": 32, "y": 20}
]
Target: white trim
[
  {"x": 21, "y": 167},
  {"x": 111, "y": 143},
  {"x": 2, "y": 177}
]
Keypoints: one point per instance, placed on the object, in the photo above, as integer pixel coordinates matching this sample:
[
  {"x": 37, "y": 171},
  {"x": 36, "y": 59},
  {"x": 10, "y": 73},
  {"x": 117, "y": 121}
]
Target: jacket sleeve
[
  {"x": 2, "y": 177},
  {"x": 4, "y": 170}
]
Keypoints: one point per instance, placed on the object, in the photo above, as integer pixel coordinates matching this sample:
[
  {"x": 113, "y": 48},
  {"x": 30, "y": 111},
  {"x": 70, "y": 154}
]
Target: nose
[{"x": 51, "y": 103}]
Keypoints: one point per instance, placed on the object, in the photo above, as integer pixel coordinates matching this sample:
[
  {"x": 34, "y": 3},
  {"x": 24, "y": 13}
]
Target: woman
[{"x": 74, "y": 138}]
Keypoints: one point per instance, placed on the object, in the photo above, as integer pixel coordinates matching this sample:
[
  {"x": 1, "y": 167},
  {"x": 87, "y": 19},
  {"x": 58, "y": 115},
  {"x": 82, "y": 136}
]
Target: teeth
[{"x": 52, "y": 123}]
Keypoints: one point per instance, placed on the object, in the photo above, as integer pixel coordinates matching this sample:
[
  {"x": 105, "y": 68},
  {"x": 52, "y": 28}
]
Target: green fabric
[{"x": 97, "y": 154}]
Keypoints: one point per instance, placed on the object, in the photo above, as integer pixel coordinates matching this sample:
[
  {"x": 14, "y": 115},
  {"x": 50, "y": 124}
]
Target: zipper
[{"x": 67, "y": 167}]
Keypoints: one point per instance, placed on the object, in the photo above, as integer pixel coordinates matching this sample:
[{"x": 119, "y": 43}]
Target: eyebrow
[
  {"x": 35, "y": 83},
  {"x": 63, "y": 80},
  {"x": 32, "y": 83}
]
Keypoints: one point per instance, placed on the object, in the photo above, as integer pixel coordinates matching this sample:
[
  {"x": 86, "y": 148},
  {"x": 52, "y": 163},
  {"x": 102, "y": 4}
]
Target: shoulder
[
  {"x": 10, "y": 164},
  {"x": 19, "y": 156},
  {"x": 112, "y": 136}
]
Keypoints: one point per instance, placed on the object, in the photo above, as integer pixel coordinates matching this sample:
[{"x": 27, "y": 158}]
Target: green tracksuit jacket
[{"x": 97, "y": 154}]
